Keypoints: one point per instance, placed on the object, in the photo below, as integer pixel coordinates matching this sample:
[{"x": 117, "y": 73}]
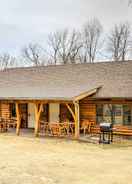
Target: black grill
[
  {"x": 106, "y": 127},
  {"x": 106, "y": 133}
]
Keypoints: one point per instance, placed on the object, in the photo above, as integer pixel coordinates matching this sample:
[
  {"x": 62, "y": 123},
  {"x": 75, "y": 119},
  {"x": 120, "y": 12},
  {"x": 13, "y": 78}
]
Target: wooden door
[{"x": 24, "y": 115}]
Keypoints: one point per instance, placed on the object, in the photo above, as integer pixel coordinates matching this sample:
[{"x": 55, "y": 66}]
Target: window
[
  {"x": 116, "y": 113},
  {"x": 107, "y": 108},
  {"x": 99, "y": 113},
  {"x": 127, "y": 118},
  {"x": 13, "y": 110},
  {"x": 118, "y": 119}
]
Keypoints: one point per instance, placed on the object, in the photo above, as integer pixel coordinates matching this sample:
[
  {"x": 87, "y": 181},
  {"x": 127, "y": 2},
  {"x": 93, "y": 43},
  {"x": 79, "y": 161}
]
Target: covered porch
[
  {"x": 72, "y": 119},
  {"x": 44, "y": 117},
  {"x": 117, "y": 111},
  {"x": 57, "y": 116}
]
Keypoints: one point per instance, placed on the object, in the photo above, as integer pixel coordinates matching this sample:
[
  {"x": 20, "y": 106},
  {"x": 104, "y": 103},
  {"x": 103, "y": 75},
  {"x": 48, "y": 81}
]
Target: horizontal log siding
[
  {"x": 87, "y": 111},
  {"x": 5, "y": 110}
]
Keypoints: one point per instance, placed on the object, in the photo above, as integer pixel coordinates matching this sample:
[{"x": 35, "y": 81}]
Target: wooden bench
[
  {"x": 117, "y": 130},
  {"x": 122, "y": 130}
]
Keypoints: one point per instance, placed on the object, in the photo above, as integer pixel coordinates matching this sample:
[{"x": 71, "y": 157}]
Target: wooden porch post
[
  {"x": 18, "y": 118},
  {"x": 37, "y": 116},
  {"x": 77, "y": 120}
]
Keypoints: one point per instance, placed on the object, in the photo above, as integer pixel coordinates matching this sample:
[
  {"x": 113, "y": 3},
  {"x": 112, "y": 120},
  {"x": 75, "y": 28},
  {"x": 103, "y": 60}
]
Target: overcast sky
[{"x": 24, "y": 21}]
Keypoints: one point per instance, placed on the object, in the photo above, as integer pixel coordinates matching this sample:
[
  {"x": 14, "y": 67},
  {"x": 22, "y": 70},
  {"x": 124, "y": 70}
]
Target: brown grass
[{"x": 28, "y": 160}]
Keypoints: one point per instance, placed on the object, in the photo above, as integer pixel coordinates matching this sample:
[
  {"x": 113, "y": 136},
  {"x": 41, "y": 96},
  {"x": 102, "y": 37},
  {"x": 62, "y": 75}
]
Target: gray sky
[{"x": 24, "y": 21}]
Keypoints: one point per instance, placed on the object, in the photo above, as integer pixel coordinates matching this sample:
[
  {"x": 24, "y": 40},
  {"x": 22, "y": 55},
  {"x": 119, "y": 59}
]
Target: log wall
[
  {"x": 87, "y": 111},
  {"x": 5, "y": 110},
  {"x": 88, "y": 106}
]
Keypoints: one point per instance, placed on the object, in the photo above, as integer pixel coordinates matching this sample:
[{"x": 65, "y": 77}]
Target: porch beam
[
  {"x": 38, "y": 111},
  {"x": 44, "y": 101},
  {"x": 18, "y": 118}
]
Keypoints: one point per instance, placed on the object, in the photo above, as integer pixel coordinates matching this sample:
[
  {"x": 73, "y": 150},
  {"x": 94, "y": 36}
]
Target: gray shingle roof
[{"x": 67, "y": 81}]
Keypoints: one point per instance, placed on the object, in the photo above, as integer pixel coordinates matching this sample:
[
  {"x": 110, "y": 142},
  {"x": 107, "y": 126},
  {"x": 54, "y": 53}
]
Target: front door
[
  {"x": 24, "y": 115},
  {"x": 31, "y": 115},
  {"x": 54, "y": 111}
]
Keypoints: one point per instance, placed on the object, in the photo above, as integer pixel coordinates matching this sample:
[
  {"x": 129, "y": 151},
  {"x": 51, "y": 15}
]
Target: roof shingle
[{"x": 67, "y": 81}]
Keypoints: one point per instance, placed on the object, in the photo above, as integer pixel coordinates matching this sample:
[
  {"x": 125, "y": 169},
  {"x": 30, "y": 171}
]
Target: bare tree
[
  {"x": 7, "y": 61},
  {"x": 91, "y": 35},
  {"x": 54, "y": 44},
  {"x": 33, "y": 53},
  {"x": 119, "y": 41},
  {"x": 65, "y": 46}
]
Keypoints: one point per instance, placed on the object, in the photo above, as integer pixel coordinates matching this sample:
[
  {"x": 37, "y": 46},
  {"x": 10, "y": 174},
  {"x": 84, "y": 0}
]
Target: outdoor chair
[
  {"x": 54, "y": 129},
  {"x": 44, "y": 127},
  {"x": 66, "y": 127},
  {"x": 11, "y": 123},
  {"x": 91, "y": 125},
  {"x": 85, "y": 126},
  {"x": 59, "y": 129},
  {"x": 71, "y": 128}
]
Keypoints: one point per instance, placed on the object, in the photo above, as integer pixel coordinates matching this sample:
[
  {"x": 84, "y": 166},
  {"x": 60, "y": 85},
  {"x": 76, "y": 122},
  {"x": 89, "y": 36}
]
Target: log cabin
[{"x": 73, "y": 92}]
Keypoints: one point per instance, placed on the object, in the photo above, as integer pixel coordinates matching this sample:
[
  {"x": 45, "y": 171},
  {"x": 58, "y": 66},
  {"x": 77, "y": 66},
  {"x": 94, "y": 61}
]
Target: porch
[
  {"x": 66, "y": 118},
  {"x": 53, "y": 118},
  {"x": 117, "y": 111}
]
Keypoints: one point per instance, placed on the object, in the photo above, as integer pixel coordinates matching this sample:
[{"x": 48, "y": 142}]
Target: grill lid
[{"x": 105, "y": 126}]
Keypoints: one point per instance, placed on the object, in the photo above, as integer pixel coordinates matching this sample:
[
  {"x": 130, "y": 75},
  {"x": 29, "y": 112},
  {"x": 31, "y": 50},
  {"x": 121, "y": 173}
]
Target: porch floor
[{"x": 88, "y": 138}]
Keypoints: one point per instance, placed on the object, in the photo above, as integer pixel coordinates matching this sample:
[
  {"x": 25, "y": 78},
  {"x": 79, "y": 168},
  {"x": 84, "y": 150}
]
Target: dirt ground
[{"x": 29, "y": 160}]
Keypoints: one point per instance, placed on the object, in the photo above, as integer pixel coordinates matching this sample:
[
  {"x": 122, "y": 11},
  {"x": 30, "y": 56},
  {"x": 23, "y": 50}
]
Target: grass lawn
[{"x": 28, "y": 160}]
